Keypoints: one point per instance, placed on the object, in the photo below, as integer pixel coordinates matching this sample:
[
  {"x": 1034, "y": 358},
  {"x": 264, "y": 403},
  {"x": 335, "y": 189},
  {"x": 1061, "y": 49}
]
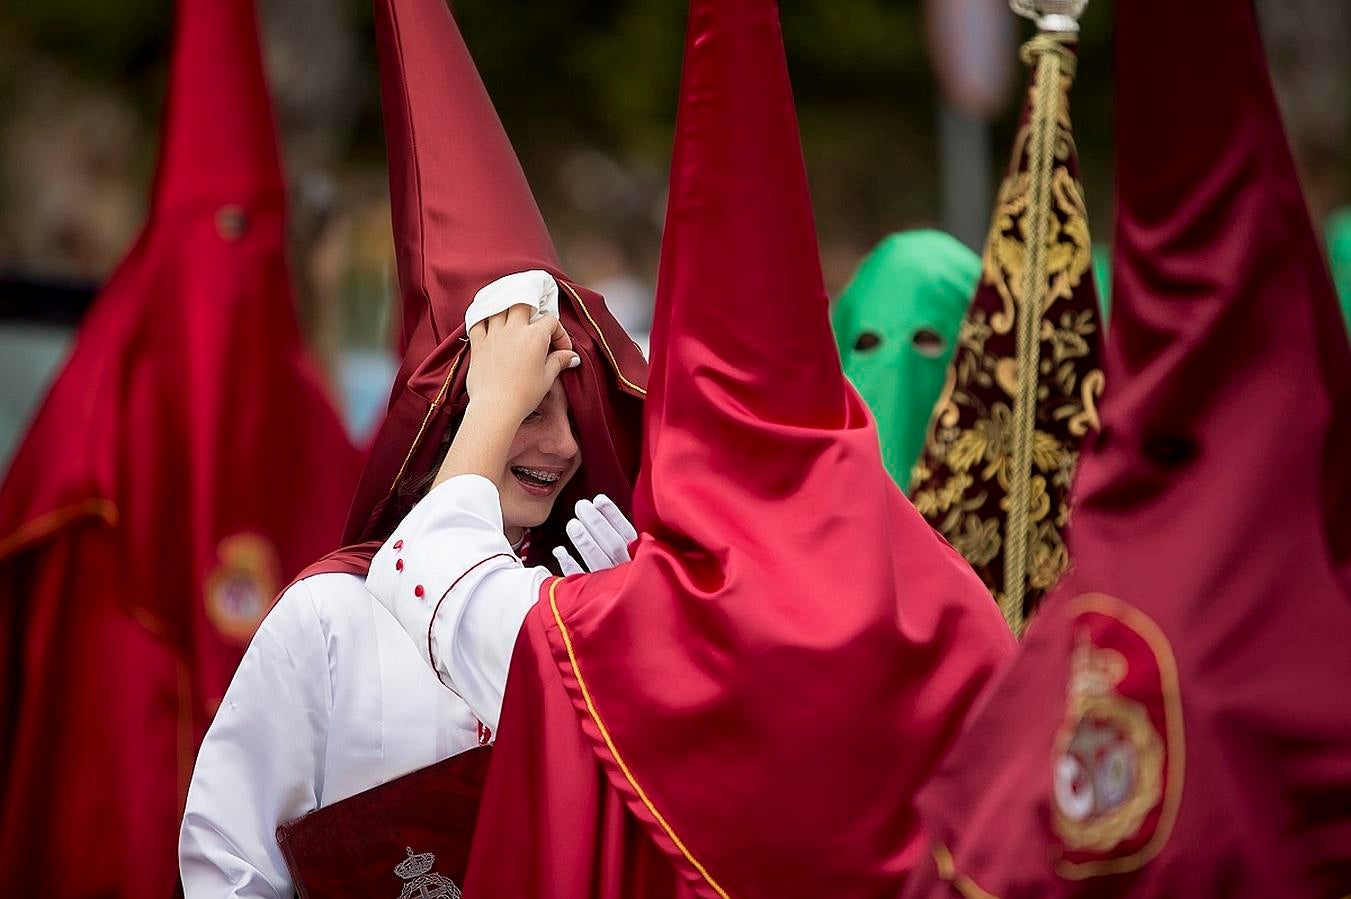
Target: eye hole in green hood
[
  {"x": 929, "y": 342},
  {"x": 867, "y": 340}
]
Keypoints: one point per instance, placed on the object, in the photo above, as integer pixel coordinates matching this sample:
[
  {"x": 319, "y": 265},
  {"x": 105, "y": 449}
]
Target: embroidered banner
[{"x": 963, "y": 481}]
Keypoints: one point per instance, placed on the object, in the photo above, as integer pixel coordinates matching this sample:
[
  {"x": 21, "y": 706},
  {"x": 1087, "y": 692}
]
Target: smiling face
[{"x": 543, "y": 457}]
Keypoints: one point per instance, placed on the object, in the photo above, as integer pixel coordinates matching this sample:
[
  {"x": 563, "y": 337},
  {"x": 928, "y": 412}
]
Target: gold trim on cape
[
  {"x": 422, "y": 429},
  {"x": 50, "y": 522},
  {"x": 604, "y": 345},
  {"x": 947, "y": 871},
  {"x": 614, "y": 750}
]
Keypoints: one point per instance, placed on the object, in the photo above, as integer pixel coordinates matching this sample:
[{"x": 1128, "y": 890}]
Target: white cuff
[
  {"x": 451, "y": 580},
  {"x": 536, "y": 289},
  {"x": 474, "y": 632},
  {"x": 455, "y": 527}
]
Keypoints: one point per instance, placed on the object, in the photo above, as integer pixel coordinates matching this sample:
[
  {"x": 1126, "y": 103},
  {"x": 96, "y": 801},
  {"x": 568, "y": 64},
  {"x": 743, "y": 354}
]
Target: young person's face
[{"x": 542, "y": 459}]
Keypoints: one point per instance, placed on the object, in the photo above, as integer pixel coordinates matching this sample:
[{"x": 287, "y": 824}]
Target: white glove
[
  {"x": 601, "y": 534},
  {"x": 534, "y": 288}
]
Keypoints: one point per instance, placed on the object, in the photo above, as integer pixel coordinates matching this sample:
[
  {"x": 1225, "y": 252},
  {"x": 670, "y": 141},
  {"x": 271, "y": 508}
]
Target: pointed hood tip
[
  {"x": 739, "y": 219},
  {"x": 220, "y": 136},
  {"x": 1239, "y": 170},
  {"x": 1226, "y": 310},
  {"x": 463, "y": 211}
]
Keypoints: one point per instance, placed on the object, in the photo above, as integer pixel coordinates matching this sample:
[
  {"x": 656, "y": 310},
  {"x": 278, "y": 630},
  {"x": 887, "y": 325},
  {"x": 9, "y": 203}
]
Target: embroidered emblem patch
[
  {"x": 240, "y": 590},
  {"x": 1117, "y": 769},
  {"x": 421, "y": 881}
]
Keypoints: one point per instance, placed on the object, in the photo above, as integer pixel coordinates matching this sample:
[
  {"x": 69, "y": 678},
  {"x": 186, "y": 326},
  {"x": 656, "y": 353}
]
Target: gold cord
[{"x": 1053, "y": 61}]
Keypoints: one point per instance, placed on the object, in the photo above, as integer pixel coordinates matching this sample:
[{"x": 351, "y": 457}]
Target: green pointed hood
[{"x": 896, "y": 325}]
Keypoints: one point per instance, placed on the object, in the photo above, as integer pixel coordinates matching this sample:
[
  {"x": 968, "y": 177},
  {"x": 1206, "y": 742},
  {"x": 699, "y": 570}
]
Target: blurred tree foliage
[
  {"x": 120, "y": 40},
  {"x": 599, "y": 77},
  {"x": 604, "y": 74}
]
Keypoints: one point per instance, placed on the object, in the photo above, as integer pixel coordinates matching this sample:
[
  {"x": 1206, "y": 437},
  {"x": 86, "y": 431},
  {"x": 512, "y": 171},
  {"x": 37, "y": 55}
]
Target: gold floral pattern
[{"x": 961, "y": 482}]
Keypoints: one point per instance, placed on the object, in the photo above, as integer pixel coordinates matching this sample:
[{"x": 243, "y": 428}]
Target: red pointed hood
[
  {"x": 723, "y": 673},
  {"x": 463, "y": 212},
  {"x": 1174, "y": 724},
  {"x": 189, "y": 356},
  {"x": 1230, "y": 294},
  {"x": 740, "y": 270},
  {"x": 219, "y": 139},
  {"x": 463, "y": 217},
  {"x": 186, "y": 462},
  {"x": 219, "y": 173}
]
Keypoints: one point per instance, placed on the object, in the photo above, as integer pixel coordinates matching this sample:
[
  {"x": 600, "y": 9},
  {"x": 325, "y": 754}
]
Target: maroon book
[{"x": 409, "y": 837}]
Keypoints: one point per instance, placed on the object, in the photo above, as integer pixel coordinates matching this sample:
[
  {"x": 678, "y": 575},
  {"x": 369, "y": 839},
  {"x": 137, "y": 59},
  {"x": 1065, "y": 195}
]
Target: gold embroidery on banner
[
  {"x": 965, "y": 483},
  {"x": 1170, "y": 687},
  {"x": 614, "y": 750},
  {"x": 1090, "y": 392}
]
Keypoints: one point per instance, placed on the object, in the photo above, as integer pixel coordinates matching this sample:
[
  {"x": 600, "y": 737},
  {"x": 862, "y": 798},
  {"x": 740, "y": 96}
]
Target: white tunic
[{"x": 333, "y": 697}]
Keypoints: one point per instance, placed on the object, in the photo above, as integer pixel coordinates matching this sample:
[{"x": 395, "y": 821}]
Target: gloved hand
[{"x": 601, "y": 534}]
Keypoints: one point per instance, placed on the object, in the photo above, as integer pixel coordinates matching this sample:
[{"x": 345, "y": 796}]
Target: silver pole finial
[{"x": 1060, "y": 16}]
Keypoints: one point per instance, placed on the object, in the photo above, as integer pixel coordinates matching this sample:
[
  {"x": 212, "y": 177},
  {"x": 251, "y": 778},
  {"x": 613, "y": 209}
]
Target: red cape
[
  {"x": 1175, "y": 723},
  {"x": 767, "y": 684},
  {"x": 185, "y": 464}
]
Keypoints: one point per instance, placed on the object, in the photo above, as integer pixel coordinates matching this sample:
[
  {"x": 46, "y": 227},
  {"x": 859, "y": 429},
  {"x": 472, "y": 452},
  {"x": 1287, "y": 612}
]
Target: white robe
[{"x": 333, "y": 697}]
